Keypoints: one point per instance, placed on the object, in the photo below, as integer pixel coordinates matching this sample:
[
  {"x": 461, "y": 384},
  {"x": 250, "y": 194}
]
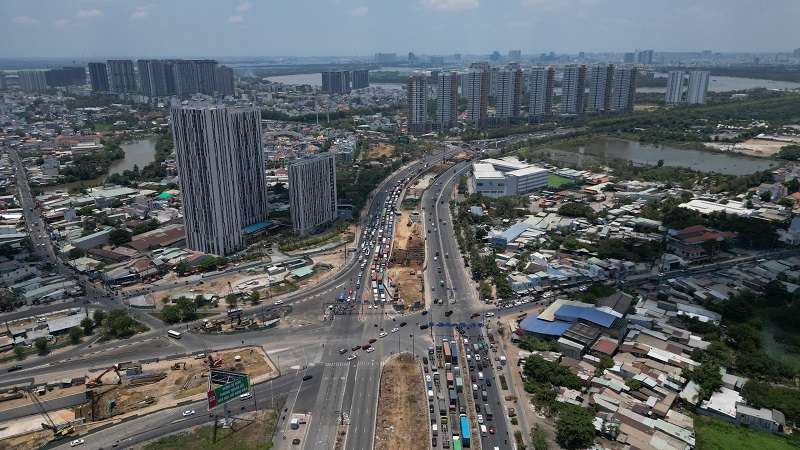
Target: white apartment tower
[
  {"x": 674, "y": 87},
  {"x": 624, "y": 90},
  {"x": 601, "y": 79},
  {"x": 540, "y": 90},
  {"x": 312, "y": 192},
  {"x": 417, "y": 112},
  {"x": 698, "y": 87},
  {"x": 221, "y": 175},
  {"x": 509, "y": 94},
  {"x": 572, "y": 89},
  {"x": 477, "y": 94},
  {"x": 447, "y": 100}
]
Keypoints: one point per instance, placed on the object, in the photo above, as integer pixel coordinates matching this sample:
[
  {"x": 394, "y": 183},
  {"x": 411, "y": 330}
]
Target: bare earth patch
[{"x": 402, "y": 418}]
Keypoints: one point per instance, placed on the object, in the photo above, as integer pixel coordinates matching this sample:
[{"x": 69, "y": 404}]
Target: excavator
[
  {"x": 214, "y": 362},
  {"x": 177, "y": 366},
  {"x": 59, "y": 432},
  {"x": 94, "y": 382}
]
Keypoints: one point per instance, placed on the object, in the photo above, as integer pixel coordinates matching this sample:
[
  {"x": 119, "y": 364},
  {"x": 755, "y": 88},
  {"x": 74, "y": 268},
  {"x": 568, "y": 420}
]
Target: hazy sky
[{"x": 134, "y": 28}]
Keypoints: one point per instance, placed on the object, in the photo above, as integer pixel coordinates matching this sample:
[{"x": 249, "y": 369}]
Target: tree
[
  {"x": 575, "y": 427},
  {"x": 75, "y": 253},
  {"x": 486, "y": 290},
  {"x": 199, "y": 301},
  {"x": 87, "y": 324},
  {"x": 119, "y": 324},
  {"x": 118, "y": 236},
  {"x": 187, "y": 309},
  {"x": 19, "y": 351},
  {"x": 75, "y": 334},
  {"x": 181, "y": 268},
  {"x": 502, "y": 287},
  {"x": 765, "y": 196},
  {"x": 170, "y": 314},
  {"x": 231, "y": 300},
  {"x": 539, "y": 438},
  {"x": 606, "y": 362},
  {"x": 98, "y": 317},
  {"x": 634, "y": 384},
  {"x": 41, "y": 344},
  {"x": 255, "y": 297}
]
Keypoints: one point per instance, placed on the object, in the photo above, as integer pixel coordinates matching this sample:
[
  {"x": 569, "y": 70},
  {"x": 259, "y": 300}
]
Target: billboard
[{"x": 228, "y": 391}]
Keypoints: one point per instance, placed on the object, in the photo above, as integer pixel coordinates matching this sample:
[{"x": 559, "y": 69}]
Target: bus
[
  {"x": 487, "y": 411},
  {"x": 173, "y": 334},
  {"x": 465, "y": 438}
]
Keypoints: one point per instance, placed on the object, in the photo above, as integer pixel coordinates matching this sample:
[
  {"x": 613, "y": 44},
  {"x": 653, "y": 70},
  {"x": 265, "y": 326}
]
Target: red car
[
  {"x": 473, "y": 378},
  {"x": 491, "y": 430},
  {"x": 372, "y": 341},
  {"x": 426, "y": 368},
  {"x": 474, "y": 315},
  {"x": 365, "y": 346}
]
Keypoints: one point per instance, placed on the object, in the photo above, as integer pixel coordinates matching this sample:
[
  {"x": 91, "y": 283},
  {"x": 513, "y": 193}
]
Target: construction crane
[
  {"x": 59, "y": 432},
  {"x": 94, "y": 382}
]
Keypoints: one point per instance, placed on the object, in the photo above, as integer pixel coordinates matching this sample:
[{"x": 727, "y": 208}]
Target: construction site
[{"x": 111, "y": 394}]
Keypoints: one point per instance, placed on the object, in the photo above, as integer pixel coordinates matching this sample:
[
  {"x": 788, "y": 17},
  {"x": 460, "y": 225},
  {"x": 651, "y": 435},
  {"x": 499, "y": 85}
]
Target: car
[
  {"x": 480, "y": 418},
  {"x": 279, "y": 302},
  {"x": 477, "y": 407},
  {"x": 425, "y": 312},
  {"x": 373, "y": 340},
  {"x": 402, "y": 324},
  {"x": 474, "y": 315},
  {"x": 477, "y": 357},
  {"x": 488, "y": 382},
  {"x": 474, "y": 379},
  {"x": 342, "y": 351},
  {"x": 41, "y": 320},
  {"x": 491, "y": 430},
  {"x": 246, "y": 395},
  {"x": 15, "y": 368},
  {"x": 433, "y": 442},
  {"x": 489, "y": 314},
  {"x": 395, "y": 330},
  {"x": 355, "y": 347},
  {"x": 188, "y": 413},
  {"x": 371, "y": 349},
  {"x": 351, "y": 357},
  {"x": 448, "y": 313},
  {"x": 661, "y": 274},
  {"x": 424, "y": 360},
  {"x": 365, "y": 347},
  {"x": 430, "y": 407},
  {"x": 383, "y": 335},
  {"x": 76, "y": 442},
  {"x": 424, "y": 326}
]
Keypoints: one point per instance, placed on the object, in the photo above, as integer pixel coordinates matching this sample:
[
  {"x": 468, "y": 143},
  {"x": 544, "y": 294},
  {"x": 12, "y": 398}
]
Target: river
[
  {"x": 137, "y": 153},
  {"x": 611, "y": 148}
]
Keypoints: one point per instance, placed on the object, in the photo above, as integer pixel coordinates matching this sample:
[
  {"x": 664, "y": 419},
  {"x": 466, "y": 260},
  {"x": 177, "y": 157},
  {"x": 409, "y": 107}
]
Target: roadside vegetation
[
  {"x": 713, "y": 434},
  {"x": 243, "y": 435}
]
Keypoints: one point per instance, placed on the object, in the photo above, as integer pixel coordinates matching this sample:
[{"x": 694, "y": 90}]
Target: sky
[{"x": 218, "y": 28}]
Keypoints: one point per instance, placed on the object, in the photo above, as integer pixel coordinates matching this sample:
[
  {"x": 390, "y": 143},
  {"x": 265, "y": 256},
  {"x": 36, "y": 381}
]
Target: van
[
  {"x": 483, "y": 431},
  {"x": 246, "y": 395},
  {"x": 430, "y": 395},
  {"x": 435, "y": 429},
  {"x": 484, "y": 395},
  {"x": 480, "y": 375}
]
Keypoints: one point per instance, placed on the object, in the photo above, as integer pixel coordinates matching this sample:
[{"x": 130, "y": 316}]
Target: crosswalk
[{"x": 347, "y": 363}]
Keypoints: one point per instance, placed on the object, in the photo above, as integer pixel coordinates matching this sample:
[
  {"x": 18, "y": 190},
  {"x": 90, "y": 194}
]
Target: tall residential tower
[
  {"x": 417, "y": 112},
  {"x": 447, "y": 100},
  {"x": 312, "y": 192},
  {"x": 623, "y": 91},
  {"x": 123, "y": 78},
  {"x": 540, "y": 90},
  {"x": 675, "y": 87},
  {"x": 221, "y": 175},
  {"x": 601, "y": 79},
  {"x": 698, "y": 87},
  {"x": 572, "y": 89},
  {"x": 477, "y": 94},
  {"x": 98, "y": 77}
]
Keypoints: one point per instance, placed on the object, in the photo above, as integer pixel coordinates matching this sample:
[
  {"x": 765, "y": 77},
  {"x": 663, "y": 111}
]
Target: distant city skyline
[{"x": 361, "y": 28}]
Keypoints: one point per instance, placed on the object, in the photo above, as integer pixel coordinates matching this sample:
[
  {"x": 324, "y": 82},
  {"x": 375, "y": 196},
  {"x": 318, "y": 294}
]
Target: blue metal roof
[
  {"x": 533, "y": 324},
  {"x": 573, "y": 313},
  {"x": 255, "y": 227}
]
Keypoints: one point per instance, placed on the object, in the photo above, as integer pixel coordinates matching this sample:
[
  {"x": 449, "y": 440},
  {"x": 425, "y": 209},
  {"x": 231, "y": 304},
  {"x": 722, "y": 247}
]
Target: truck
[
  {"x": 454, "y": 352},
  {"x": 462, "y": 404},
  {"x": 450, "y": 380},
  {"x": 459, "y": 385},
  {"x": 453, "y": 399},
  {"x": 503, "y": 360},
  {"x": 442, "y": 407}
]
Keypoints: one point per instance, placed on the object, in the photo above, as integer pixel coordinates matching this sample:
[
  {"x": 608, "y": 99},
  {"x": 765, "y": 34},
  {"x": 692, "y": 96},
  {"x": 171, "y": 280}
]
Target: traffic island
[{"x": 402, "y": 410}]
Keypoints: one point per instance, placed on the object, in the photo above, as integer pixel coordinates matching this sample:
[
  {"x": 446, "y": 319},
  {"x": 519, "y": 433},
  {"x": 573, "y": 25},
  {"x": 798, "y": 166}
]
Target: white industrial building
[{"x": 506, "y": 176}]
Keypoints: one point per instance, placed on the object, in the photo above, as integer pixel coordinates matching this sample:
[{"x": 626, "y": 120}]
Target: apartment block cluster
[
  {"x": 344, "y": 81},
  {"x": 154, "y": 79},
  {"x": 611, "y": 89}
]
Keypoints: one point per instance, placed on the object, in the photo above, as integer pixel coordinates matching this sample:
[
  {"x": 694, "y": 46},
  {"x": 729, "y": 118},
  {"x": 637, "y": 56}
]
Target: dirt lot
[
  {"x": 753, "y": 147},
  {"x": 404, "y": 274},
  {"x": 149, "y": 395},
  {"x": 402, "y": 417},
  {"x": 376, "y": 151}
]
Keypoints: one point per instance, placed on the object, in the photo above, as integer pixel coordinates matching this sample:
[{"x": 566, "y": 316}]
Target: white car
[
  {"x": 480, "y": 418},
  {"x": 279, "y": 302},
  {"x": 395, "y": 330},
  {"x": 477, "y": 357},
  {"x": 428, "y": 378},
  {"x": 383, "y": 335},
  {"x": 76, "y": 442},
  {"x": 371, "y": 349},
  {"x": 188, "y": 413},
  {"x": 489, "y": 314},
  {"x": 351, "y": 357}
]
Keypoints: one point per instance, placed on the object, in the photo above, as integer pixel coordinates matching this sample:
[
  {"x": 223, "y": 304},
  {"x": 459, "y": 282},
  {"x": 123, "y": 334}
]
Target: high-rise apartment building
[
  {"x": 540, "y": 91},
  {"x": 644, "y": 57},
  {"x": 623, "y": 91},
  {"x": 224, "y": 78},
  {"x": 65, "y": 76},
  {"x": 509, "y": 94},
  {"x": 629, "y": 58},
  {"x": 601, "y": 78},
  {"x": 312, "y": 192},
  {"x": 336, "y": 82},
  {"x": 698, "y": 87},
  {"x": 360, "y": 79},
  {"x": 447, "y": 100},
  {"x": 184, "y": 77},
  {"x": 572, "y": 89},
  {"x": 98, "y": 77},
  {"x": 32, "y": 80},
  {"x": 157, "y": 77},
  {"x": 385, "y": 58},
  {"x": 674, "y": 87},
  {"x": 417, "y": 105},
  {"x": 122, "y": 75},
  {"x": 514, "y": 55},
  {"x": 221, "y": 175},
  {"x": 477, "y": 94},
  {"x": 3, "y": 83}
]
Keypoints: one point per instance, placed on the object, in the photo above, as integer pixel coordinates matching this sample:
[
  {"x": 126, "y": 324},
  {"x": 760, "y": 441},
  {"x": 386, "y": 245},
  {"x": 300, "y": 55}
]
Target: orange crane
[{"x": 99, "y": 379}]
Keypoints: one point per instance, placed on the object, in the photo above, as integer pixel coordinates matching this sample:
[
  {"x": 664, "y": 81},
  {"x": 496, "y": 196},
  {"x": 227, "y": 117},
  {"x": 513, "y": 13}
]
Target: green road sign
[
  {"x": 228, "y": 391},
  {"x": 403, "y": 140}
]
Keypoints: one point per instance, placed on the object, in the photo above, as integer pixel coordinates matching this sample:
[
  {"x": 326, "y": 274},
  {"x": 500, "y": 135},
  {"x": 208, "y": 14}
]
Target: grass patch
[
  {"x": 783, "y": 345},
  {"x": 557, "y": 181},
  {"x": 713, "y": 434},
  {"x": 157, "y": 315},
  {"x": 242, "y": 436},
  {"x": 503, "y": 383}
]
